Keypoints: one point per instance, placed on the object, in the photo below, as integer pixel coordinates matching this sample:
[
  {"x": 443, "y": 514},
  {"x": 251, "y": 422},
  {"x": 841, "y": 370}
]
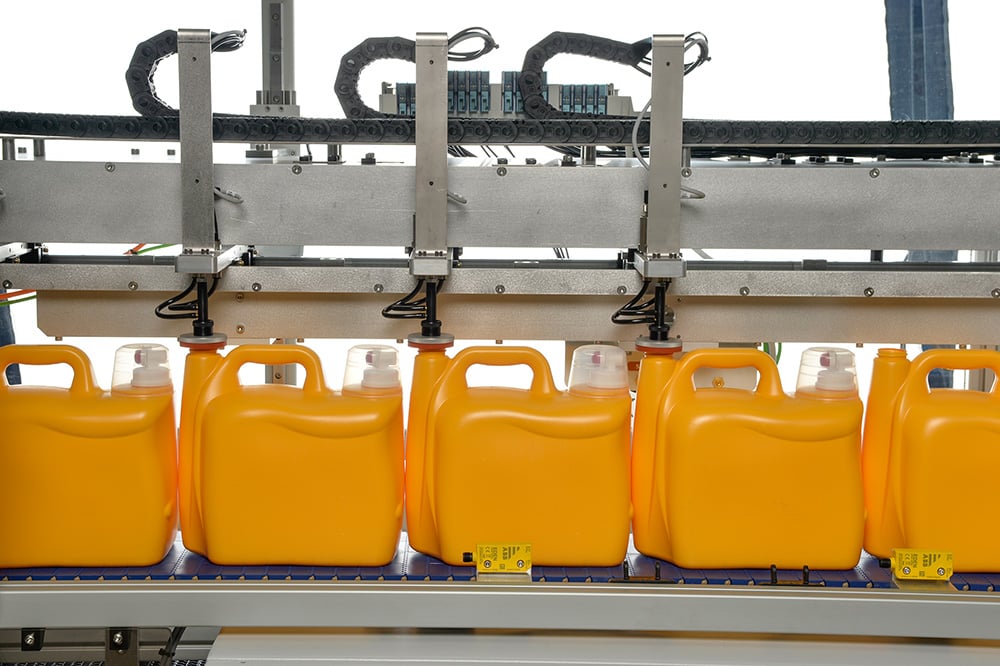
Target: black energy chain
[
  {"x": 705, "y": 137},
  {"x": 365, "y": 125}
]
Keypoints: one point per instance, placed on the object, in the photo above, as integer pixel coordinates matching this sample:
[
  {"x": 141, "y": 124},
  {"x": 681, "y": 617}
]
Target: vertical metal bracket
[
  {"x": 660, "y": 253},
  {"x": 194, "y": 52},
  {"x": 430, "y": 226},
  {"x": 121, "y": 647},
  {"x": 277, "y": 94}
]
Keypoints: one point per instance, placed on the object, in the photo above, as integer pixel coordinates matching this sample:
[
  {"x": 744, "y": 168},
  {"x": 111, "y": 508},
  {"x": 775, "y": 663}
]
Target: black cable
[
  {"x": 168, "y": 651},
  {"x": 406, "y": 307},
  {"x": 635, "y": 312},
  {"x": 694, "y": 39},
  {"x": 230, "y": 40},
  {"x": 489, "y": 44},
  {"x": 188, "y": 308}
]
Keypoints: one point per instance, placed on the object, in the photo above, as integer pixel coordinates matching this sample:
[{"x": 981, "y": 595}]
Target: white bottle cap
[
  {"x": 827, "y": 369},
  {"x": 372, "y": 366},
  {"x": 600, "y": 367},
  {"x": 142, "y": 366}
]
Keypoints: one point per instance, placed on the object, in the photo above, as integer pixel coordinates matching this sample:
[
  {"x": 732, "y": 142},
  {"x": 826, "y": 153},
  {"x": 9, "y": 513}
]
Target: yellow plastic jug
[
  {"x": 90, "y": 476},
  {"x": 538, "y": 466},
  {"x": 649, "y": 524},
  {"x": 300, "y": 476},
  {"x": 202, "y": 360},
  {"x": 755, "y": 478},
  {"x": 924, "y": 507}
]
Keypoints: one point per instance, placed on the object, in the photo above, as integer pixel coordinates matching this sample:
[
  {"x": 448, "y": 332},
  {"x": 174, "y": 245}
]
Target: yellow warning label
[
  {"x": 503, "y": 558},
  {"x": 910, "y": 563}
]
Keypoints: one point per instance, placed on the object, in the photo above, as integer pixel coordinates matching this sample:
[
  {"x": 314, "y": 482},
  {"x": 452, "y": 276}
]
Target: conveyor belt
[{"x": 408, "y": 565}]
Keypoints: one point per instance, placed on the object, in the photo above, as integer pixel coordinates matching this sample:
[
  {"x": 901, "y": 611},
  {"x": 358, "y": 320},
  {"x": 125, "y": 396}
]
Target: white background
[{"x": 777, "y": 59}]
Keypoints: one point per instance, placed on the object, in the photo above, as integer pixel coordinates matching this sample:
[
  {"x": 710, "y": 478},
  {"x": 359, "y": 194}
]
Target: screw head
[
  {"x": 278, "y": 376},
  {"x": 240, "y": 297},
  {"x": 256, "y": 286},
  {"x": 744, "y": 291},
  {"x": 995, "y": 293},
  {"x": 874, "y": 173},
  {"x": 7, "y": 284},
  {"x": 501, "y": 171},
  {"x": 686, "y": 172},
  {"x": 500, "y": 289},
  {"x": 117, "y": 638},
  {"x": 241, "y": 329},
  {"x": 378, "y": 288},
  {"x": 869, "y": 292},
  {"x": 29, "y": 639},
  {"x": 940, "y": 571},
  {"x": 296, "y": 169},
  {"x": 520, "y": 564},
  {"x": 487, "y": 564},
  {"x": 622, "y": 290},
  {"x": 906, "y": 570},
  {"x": 133, "y": 285},
  {"x": 109, "y": 166}
]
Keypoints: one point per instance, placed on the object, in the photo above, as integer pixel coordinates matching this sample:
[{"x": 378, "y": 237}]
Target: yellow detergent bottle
[
  {"x": 649, "y": 522},
  {"x": 882, "y": 528},
  {"x": 202, "y": 360},
  {"x": 90, "y": 476},
  {"x": 537, "y": 466},
  {"x": 936, "y": 510},
  {"x": 306, "y": 476},
  {"x": 428, "y": 366},
  {"x": 755, "y": 478}
]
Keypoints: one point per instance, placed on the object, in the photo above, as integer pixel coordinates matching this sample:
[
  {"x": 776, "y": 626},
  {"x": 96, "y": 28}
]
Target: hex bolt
[
  {"x": 501, "y": 171},
  {"x": 240, "y": 297},
  {"x": 874, "y": 173},
  {"x": 109, "y": 166},
  {"x": 378, "y": 288},
  {"x": 500, "y": 289},
  {"x": 869, "y": 292},
  {"x": 686, "y": 172},
  {"x": 622, "y": 290},
  {"x": 133, "y": 285},
  {"x": 296, "y": 169},
  {"x": 117, "y": 638},
  {"x": 7, "y": 284},
  {"x": 744, "y": 291},
  {"x": 995, "y": 293},
  {"x": 256, "y": 286},
  {"x": 940, "y": 571},
  {"x": 241, "y": 329},
  {"x": 29, "y": 639},
  {"x": 906, "y": 571}
]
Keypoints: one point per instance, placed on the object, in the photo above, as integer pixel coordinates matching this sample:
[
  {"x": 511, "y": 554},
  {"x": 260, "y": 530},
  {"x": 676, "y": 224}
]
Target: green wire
[
  {"x": 4, "y": 304},
  {"x": 155, "y": 247},
  {"x": 777, "y": 353},
  {"x": 766, "y": 348}
]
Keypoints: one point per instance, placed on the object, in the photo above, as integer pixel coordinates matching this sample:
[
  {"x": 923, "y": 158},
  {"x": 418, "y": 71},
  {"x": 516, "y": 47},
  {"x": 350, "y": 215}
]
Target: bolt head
[
  {"x": 686, "y": 172},
  {"x": 117, "y": 638},
  {"x": 132, "y": 286},
  {"x": 29, "y": 639},
  {"x": 995, "y": 293},
  {"x": 622, "y": 290},
  {"x": 296, "y": 169},
  {"x": 869, "y": 292},
  {"x": 378, "y": 288},
  {"x": 256, "y": 286},
  {"x": 7, "y": 284},
  {"x": 239, "y": 297},
  {"x": 241, "y": 329},
  {"x": 109, "y": 167},
  {"x": 744, "y": 291},
  {"x": 874, "y": 173},
  {"x": 520, "y": 564},
  {"x": 500, "y": 289},
  {"x": 487, "y": 564},
  {"x": 501, "y": 171},
  {"x": 906, "y": 570}
]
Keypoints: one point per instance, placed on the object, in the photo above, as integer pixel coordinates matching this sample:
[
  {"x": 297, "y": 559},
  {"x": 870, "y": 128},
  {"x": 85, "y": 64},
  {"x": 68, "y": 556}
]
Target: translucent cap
[
  {"x": 598, "y": 366},
  {"x": 827, "y": 369},
  {"x": 142, "y": 366},
  {"x": 372, "y": 366}
]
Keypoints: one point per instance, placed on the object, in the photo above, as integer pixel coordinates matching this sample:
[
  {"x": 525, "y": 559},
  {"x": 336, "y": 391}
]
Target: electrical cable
[
  {"x": 168, "y": 651},
  {"x": 188, "y": 309},
  {"x": 153, "y": 248},
  {"x": 406, "y": 307},
  {"x": 489, "y": 44},
  {"x": 228, "y": 41},
  {"x": 6, "y": 303},
  {"x": 15, "y": 294},
  {"x": 635, "y": 312},
  {"x": 135, "y": 249}
]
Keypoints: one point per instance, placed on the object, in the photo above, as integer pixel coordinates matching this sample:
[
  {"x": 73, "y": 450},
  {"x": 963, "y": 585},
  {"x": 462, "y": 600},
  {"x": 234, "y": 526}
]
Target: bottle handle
[
  {"x": 84, "y": 381},
  {"x": 770, "y": 380},
  {"x": 952, "y": 359},
  {"x": 454, "y": 378}
]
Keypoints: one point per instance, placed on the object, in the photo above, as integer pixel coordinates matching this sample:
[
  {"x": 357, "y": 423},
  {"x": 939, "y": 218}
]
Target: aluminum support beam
[
  {"x": 194, "y": 52},
  {"x": 430, "y": 232}
]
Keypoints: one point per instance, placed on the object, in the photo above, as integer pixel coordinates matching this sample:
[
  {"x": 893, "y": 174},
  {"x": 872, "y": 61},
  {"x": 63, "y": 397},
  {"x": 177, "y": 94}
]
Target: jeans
[{"x": 7, "y": 338}]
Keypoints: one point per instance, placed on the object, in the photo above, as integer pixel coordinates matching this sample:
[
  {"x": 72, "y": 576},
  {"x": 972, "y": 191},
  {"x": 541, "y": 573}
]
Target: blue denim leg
[{"x": 7, "y": 338}]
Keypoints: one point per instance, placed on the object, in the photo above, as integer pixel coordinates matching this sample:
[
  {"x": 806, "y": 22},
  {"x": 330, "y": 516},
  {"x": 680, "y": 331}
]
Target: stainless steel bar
[{"x": 197, "y": 180}]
